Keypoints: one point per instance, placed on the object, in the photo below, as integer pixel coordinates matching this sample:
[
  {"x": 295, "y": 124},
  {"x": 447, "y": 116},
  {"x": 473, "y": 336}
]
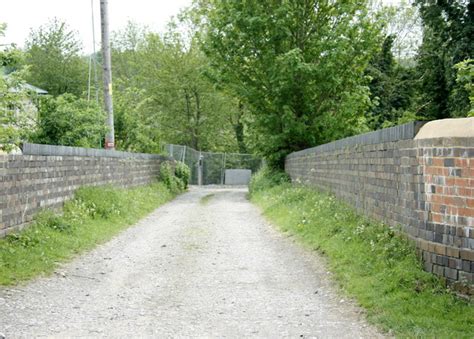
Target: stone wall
[
  {"x": 425, "y": 186},
  {"x": 46, "y": 176}
]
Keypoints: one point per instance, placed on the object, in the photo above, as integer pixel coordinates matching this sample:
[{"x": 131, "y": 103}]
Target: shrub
[
  {"x": 175, "y": 180},
  {"x": 267, "y": 178},
  {"x": 166, "y": 173},
  {"x": 183, "y": 172}
]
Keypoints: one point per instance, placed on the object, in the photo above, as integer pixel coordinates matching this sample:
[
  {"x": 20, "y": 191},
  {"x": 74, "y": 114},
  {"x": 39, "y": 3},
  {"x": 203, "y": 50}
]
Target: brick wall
[
  {"x": 32, "y": 182},
  {"x": 425, "y": 186}
]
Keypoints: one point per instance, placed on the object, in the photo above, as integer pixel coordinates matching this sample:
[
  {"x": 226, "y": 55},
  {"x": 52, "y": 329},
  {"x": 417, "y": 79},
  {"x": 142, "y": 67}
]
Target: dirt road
[{"x": 208, "y": 267}]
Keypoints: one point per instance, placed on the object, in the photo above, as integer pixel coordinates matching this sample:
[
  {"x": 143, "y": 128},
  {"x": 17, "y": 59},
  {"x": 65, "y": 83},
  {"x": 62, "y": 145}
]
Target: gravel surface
[{"x": 193, "y": 267}]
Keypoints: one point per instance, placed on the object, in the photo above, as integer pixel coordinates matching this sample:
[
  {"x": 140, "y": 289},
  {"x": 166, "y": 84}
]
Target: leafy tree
[
  {"x": 16, "y": 111},
  {"x": 447, "y": 40},
  {"x": 404, "y": 25},
  {"x": 392, "y": 88},
  {"x": 136, "y": 127},
  {"x": 465, "y": 77},
  {"x": 193, "y": 112},
  {"x": 162, "y": 92},
  {"x": 53, "y": 56},
  {"x": 68, "y": 121},
  {"x": 298, "y": 65}
]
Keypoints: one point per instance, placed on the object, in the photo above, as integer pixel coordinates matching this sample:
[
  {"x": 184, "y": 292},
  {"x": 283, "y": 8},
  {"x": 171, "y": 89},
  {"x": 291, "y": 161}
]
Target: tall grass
[
  {"x": 369, "y": 261},
  {"x": 94, "y": 216}
]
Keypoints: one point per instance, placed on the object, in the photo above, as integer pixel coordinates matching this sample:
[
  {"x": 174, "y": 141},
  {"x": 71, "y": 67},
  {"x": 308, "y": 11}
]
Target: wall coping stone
[
  {"x": 53, "y": 150},
  {"x": 402, "y": 132}
]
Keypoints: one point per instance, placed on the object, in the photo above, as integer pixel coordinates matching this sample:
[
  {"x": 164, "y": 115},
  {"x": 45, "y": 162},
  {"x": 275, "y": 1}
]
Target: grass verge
[
  {"x": 369, "y": 261},
  {"x": 92, "y": 217}
]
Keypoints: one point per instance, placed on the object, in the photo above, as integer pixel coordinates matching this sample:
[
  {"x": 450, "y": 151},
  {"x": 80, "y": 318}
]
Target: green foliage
[
  {"x": 55, "y": 63},
  {"x": 100, "y": 202},
  {"x": 392, "y": 88},
  {"x": 183, "y": 172},
  {"x": 265, "y": 179},
  {"x": 465, "y": 77},
  {"x": 166, "y": 174},
  {"x": 52, "y": 220},
  {"x": 298, "y": 65},
  {"x": 17, "y": 114},
  {"x": 447, "y": 40},
  {"x": 170, "y": 178},
  {"x": 163, "y": 93},
  {"x": 68, "y": 121},
  {"x": 92, "y": 217},
  {"x": 370, "y": 262},
  {"x": 136, "y": 127}
]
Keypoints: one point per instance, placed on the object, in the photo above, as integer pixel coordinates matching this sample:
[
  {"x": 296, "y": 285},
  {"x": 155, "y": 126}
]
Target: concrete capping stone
[
  {"x": 445, "y": 142},
  {"x": 53, "y": 150}
]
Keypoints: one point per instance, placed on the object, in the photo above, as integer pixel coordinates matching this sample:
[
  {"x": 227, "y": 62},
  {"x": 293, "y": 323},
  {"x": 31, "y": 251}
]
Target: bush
[
  {"x": 267, "y": 178},
  {"x": 69, "y": 121},
  {"x": 175, "y": 180},
  {"x": 166, "y": 173},
  {"x": 183, "y": 172}
]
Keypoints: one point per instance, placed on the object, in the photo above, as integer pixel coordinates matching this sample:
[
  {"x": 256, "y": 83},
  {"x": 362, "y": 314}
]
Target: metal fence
[{"x": 211, "y": 169}]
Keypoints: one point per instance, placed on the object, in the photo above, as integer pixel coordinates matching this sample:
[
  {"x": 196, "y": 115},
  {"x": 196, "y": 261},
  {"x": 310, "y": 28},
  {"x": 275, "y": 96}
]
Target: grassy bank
[
  {"x": 370, "y": 263},
  {"x": 94, "y": 216}
]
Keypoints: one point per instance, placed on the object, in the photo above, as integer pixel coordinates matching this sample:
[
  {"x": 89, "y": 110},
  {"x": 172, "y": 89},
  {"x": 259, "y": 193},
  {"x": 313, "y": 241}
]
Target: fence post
[
  {"x": 223, "y": 168},
  {"x": 200, "y": 169},
  {"x": 184, "y": 154}
]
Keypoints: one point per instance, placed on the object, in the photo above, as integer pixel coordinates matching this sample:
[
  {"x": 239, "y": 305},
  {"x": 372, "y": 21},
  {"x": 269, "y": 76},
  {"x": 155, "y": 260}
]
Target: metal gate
[{"x": 208, "y": 168}]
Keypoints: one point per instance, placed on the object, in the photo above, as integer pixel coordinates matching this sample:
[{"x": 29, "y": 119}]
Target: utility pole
[{"x": 104, "y": 16}]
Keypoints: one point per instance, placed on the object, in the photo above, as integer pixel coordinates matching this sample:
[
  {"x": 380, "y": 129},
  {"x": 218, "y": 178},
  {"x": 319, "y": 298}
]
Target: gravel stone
[{"x": 224, "y": 272}]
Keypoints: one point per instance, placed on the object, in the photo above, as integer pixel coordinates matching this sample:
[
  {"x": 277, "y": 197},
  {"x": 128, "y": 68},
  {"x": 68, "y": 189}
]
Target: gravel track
[{"x": 212, "y": 268}]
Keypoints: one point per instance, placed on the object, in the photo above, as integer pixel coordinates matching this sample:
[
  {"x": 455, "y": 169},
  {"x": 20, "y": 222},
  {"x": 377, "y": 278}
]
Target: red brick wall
[{"x": 448, "y": 170}]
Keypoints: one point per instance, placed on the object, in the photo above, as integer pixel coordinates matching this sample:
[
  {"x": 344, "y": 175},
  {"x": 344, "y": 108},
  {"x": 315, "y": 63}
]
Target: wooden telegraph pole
[{"x": 109, "y": 108}]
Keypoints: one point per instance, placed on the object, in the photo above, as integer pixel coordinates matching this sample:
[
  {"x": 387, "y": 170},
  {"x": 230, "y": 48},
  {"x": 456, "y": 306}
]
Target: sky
[{"x": 22, "y": 15}]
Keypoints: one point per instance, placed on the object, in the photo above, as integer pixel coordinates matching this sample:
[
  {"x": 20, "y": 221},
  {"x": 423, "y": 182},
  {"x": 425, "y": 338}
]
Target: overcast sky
[{"x": 22, "y": 15}]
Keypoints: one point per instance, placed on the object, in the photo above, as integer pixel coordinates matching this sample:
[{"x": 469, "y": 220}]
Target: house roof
[
  {"x": 28, "y": 87},
  {"x": 35, "y": 89}
]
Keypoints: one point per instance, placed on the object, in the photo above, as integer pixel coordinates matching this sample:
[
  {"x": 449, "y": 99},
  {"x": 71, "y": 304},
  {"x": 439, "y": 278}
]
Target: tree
[
  {"x": 404, "y": 25},
  {"x": 465, "y": 77},
  {"x": 55, "y": 63},
  {"x": 447, "y": 40},
  {"x": 68, "y": 121},
  {"x": 162, "y": 92},
  {"x": 297, "y": 65},
  {"x": 16, "y": 116},
  {"x": 136, "y": 125},
  {"x": 392, "y": 88},
  {"x": 193, "y": 111}
]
